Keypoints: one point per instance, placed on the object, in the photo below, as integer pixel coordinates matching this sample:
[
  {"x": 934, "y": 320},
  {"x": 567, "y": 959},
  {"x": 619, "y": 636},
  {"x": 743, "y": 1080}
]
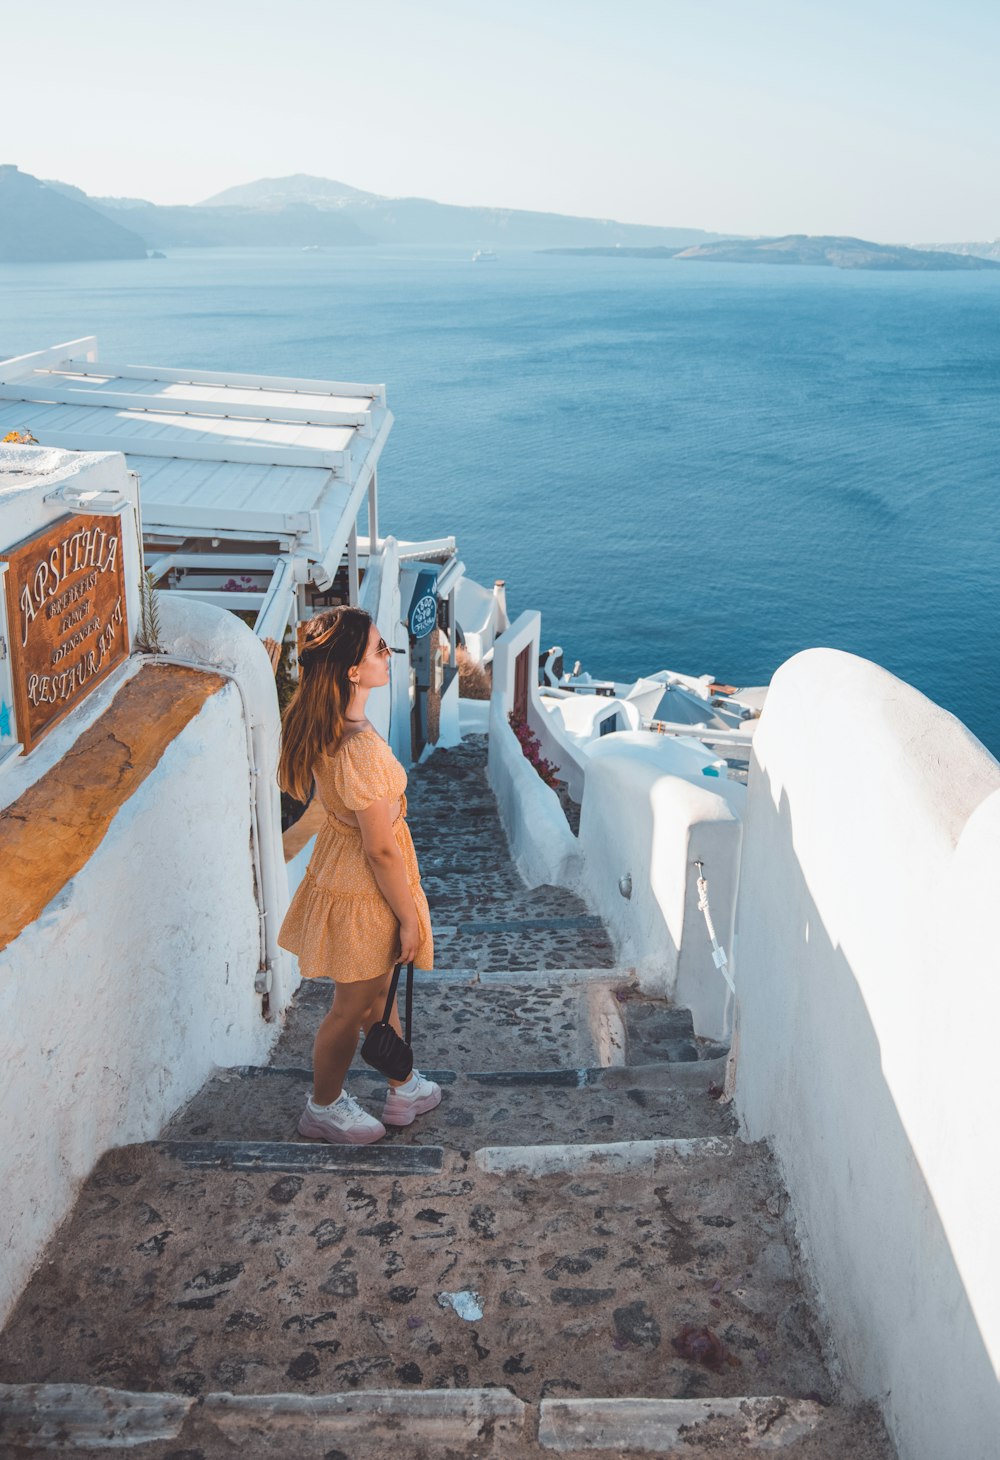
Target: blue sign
[{"x": 422, "y": 617}]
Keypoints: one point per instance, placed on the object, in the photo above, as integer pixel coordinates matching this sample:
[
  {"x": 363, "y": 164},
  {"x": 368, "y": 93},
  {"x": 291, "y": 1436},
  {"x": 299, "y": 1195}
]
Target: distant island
[
  {"x": 824, "y": 251},
  {"x": 50, "y": 220}
]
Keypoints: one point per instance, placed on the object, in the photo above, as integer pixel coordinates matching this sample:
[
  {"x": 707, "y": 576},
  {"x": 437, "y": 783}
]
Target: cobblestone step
[
  {"x": 542, "y": 1021},
  {"x": 529, "y": 1106},
  {"x": 552, "y": 948},
  {"x": 532, "y": 1018},
  {"x": 588, "y": 1281}
]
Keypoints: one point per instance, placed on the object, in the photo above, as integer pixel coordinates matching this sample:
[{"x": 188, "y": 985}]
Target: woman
[{"x": 360, "y": 908}]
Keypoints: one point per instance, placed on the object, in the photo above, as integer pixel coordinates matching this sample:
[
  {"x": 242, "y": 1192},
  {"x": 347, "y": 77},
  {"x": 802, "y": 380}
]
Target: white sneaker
[
  {"x": 404, "y": 1105},
  {"x": 342, "y": 1123}
]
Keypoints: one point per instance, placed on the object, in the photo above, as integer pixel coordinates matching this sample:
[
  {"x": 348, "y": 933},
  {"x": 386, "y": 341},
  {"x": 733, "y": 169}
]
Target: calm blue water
[{"x": 706, "y": 467}]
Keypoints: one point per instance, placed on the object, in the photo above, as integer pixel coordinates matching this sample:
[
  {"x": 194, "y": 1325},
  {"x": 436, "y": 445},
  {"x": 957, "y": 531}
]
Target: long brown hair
[{"x": 335, "y": 641}]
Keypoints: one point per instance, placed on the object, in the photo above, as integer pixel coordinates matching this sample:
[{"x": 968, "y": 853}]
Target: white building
[{"x": 251, "y": 490}]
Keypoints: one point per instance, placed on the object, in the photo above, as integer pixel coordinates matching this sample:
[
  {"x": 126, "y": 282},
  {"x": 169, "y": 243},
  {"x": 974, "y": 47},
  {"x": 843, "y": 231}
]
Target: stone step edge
[
  {"x": 313, "y": 1157},
  {"x": 544, "y": 977},
  {"x": 68, "y": 1418},
  {"x": 292, "y": 1157},
  {"x": 599, "y": 1158},
  {"x": 654, "y": 1074},
  {"x": 674, "y": 1426}
]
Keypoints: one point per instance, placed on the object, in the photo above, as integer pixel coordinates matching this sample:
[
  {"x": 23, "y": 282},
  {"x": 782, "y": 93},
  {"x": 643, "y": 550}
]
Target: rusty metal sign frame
[{"x": 67, "y": 618}]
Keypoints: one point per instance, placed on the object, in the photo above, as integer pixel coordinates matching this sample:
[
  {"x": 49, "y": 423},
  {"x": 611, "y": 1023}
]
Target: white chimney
[{"x": 500, "y": 598}]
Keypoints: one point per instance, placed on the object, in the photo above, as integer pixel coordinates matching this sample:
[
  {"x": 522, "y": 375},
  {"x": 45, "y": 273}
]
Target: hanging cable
[{"x": 718, "y": 952}]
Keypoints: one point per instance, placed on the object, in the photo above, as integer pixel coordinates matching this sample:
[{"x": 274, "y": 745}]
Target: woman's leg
[{"x": 355, "y": 1006}]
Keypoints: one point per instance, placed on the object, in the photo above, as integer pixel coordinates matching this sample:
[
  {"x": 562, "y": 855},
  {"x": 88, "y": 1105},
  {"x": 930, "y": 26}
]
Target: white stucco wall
[
  {"x": 197, "y": 633},
  {"x": 869, "y": 987},
  {"x": 388, "y": 705},
  {"x": 450, "y": 726},
  {"x": 648, "y": 814},
  {"x": 648, "y": 811},
  {"x": 480, "y": 615},
  {"x": 136, "y": 980},
  {"x": 544, "y": 849}
]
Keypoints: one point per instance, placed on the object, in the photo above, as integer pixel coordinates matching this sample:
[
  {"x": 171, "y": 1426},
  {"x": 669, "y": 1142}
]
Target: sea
[{"x": 701, "y": 467}]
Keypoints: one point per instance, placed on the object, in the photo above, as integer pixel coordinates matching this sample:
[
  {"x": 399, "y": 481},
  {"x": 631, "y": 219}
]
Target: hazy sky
[{"x": 873, "y": 117}]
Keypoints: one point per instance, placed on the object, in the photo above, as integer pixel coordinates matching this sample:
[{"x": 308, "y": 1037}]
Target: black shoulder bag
[{"x": 383, "y": 1049}]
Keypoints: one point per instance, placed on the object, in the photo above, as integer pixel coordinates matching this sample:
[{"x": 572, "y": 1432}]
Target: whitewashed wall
[
  {"x": 869, "y": 986},
  {"x": 136, "y": 980},
  {"x": 544, "y": 849},
  {"x": 199, "y": 634},
  {"x": 647, "y": 812},
  {"x": 646, "y": 816},
  {"x": 450, "y": 727},
  {"x": 389, "y": 706}
]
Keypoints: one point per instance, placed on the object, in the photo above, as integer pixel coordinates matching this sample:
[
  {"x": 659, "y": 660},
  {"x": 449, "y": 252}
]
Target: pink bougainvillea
[{"x": 532, "y": 750}]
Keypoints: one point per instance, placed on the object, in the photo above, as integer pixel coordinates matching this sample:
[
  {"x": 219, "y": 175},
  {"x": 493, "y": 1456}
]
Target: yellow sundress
[{"x": 338, "y": 923}]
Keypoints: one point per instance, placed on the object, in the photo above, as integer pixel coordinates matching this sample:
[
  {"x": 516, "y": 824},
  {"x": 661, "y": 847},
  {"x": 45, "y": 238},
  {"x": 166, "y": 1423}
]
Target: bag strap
[
  {"x": 409, "y": 1000},
  {"x": 409, "y": 997}
]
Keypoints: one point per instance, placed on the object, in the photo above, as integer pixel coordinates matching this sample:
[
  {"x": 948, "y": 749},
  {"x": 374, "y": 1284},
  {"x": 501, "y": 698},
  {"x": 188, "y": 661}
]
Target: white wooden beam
[
  {"x": 104, "y": 369},
  {"x": 219, "y": 597},
  {"x": 353, "y": 584},
  {"x": 39, "y": 392},
  {"x": 373, "y": 513},
  {"x": 205, "y": 449},
  {"x": 219, "y": 561},
  {"x": 275, "y": 611},
  {"x": 213, "y": 521},
  {"x": 21, "y": 365}
]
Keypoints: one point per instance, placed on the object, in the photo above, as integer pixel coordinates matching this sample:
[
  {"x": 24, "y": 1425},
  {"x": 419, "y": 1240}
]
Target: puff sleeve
[{"x": 364, "y": 771}]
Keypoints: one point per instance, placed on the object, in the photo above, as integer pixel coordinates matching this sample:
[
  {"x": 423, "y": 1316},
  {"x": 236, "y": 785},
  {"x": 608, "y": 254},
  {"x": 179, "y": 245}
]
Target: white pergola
[{"x": 221, "y": 458}]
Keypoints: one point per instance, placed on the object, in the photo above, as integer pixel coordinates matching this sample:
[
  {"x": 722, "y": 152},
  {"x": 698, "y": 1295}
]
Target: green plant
[{"x": 148, "y": 637}]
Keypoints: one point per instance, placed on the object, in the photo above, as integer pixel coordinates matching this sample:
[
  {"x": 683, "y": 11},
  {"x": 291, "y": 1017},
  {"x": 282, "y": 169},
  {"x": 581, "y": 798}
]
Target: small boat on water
[{"x": 484, "y": 256}]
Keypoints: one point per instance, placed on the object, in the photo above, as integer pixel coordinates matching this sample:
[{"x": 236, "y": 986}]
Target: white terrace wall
[
  {"x": 138, "y": 978},
  {"x": 541, "y": 843},
  {"x": 567, "y": 725},
  {"x": 643, "y": 822},
  {"x": 389, "y": 705},
  {"x": 869, "y": 987},
  {"x": 645, "y": 814}
]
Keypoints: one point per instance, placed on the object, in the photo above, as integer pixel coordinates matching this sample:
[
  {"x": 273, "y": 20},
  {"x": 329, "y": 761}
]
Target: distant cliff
[
  {"x": 831, "y": 252},
  {"x": 420, "y": 221},
  {"x": 799, "y": 248},
  {"x": 40, "y": 224},
  {"x": 303, "y": 211}
]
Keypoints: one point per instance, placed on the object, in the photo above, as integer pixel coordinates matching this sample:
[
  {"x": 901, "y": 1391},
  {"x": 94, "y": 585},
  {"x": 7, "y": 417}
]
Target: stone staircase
[{"x": 574, "y": 1254}]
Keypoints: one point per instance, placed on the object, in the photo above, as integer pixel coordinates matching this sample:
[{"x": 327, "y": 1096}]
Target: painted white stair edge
[
  {"x": 84, "y": 1416},
  {"x": 69, "y": 1418},
  {"x": 674, "y": 1426},
  {"x": 606, "y": 1156}
]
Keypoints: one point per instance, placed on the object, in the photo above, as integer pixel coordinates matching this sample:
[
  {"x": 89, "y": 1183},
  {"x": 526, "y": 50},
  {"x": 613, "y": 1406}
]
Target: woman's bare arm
[
  {"x": 386, "y": 861},
  {"x": 309, "y": 823}
]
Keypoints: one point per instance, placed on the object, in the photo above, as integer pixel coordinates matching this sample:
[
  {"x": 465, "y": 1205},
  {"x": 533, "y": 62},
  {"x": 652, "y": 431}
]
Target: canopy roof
[{"x": 237, "y": 455}]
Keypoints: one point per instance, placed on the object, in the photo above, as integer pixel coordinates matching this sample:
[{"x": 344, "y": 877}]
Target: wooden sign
[{"x": 66, "y": 619}]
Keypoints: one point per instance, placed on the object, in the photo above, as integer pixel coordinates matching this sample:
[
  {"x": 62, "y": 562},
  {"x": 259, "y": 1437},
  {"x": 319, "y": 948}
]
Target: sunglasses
[{"x": 383, "y": 648}]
